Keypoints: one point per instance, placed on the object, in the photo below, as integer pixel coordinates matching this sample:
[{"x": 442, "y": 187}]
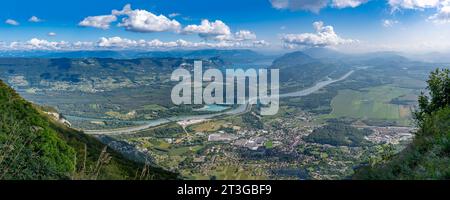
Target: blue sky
[{"x": 347, "y": 25}]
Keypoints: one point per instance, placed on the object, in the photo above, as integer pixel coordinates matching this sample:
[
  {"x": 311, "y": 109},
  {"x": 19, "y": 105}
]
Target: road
[{"x": 239, "y": 110}]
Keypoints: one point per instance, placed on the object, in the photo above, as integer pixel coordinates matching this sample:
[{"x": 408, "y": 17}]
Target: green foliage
[
  {"x": 439, "y": 91},
  {"x": 90, "y": 152},
  {"x": 428, "y": 157},
  {"x": 338, "y": 134},
  {"x": 318, "y": 103},
  {"x": 268, "y": 144},
  {"x": 32, "y": 146},
  {"x": 252, "y": 121},
  {"x": 29, "y": 148},
  {"x": 163, "y": 131}
]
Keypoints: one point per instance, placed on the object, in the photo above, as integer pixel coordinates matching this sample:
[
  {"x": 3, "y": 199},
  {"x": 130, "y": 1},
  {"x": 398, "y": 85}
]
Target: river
[{"x": 236, "y": 111}]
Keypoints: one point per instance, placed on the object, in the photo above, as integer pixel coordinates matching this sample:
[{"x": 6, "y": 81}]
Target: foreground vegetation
[
  {"x": 32, "y": 146},
  {"x": 428, "y": 157}
]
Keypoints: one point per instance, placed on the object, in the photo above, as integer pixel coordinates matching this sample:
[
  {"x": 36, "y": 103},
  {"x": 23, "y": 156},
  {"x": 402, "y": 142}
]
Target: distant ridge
[
  {"x": 320, "y": 53},
  {"x": 294, "y": 58}
]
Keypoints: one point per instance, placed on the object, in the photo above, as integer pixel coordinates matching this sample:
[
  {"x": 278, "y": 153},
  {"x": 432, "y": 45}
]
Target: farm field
[
  {"x": 372, "y": 103},
  {"x": 208, "y": 126}
]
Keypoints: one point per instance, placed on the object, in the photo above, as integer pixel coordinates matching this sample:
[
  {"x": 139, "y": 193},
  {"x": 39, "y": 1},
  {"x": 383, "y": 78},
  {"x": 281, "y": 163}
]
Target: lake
[{"x": 212, "y": 108}]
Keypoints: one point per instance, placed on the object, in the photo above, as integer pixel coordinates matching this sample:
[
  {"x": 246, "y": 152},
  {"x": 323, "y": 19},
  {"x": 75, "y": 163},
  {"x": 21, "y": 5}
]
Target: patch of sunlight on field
[
  {"x": 160, "y": 144},
  {"x": 208, "y": 126},
  {"x": 371, "y": 103}
]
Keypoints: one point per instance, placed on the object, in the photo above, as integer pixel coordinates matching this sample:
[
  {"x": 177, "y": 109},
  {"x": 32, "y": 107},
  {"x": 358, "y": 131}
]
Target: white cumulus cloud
[
  {"x": 348, "y": 3},
  {"x": 139, "y": 20},
  {"x": 51, "y": 34},
  {"x": 41, "y": 44},
  {"x": 172, "y": 15},
  {"x": 38, "y": 44},
  {"x": 414, "y": 4},
  {"x": 101, "y": 21},
  {"x": 209, "y": 30},
  {"x": 12, "y": 22},
  {"x": 442, "y": 7},
  {"x": 260, "y": 43},
  {"x": 219, "y": 31},
  {"x": 82, "y": 45},
  {"x": 324, "y": 36},
  {"x": 145, "y": 21},
  {"x": 310, "y": 5},
  {"x": 314, "y": 5},
  {"x": 124, "y": 43},
  {"x": 442, "y": 16},
  {"x": 34, "y": 19},
  {"x": 389, "y": 22},
  {"x": 243, "y": 35},
  {"x": 133, "y": 20},
  {"x": 116, "y": 42}
]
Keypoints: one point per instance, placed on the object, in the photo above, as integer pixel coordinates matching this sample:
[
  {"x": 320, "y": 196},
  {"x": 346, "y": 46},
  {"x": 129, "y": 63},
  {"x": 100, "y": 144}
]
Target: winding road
[{"x": 239, "y": 110}]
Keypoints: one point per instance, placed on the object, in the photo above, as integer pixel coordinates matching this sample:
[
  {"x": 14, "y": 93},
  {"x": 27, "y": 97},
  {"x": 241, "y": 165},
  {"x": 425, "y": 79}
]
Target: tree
[
  {"x": 439, "y": 94},
  {"x": 428, "y": 155}
]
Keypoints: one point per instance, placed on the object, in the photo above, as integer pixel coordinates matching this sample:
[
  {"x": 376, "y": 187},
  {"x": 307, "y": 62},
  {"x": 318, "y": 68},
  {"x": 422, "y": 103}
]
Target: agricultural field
[
  {"x": 372, "y": 103},
  {"x": 208, "y": 126}
]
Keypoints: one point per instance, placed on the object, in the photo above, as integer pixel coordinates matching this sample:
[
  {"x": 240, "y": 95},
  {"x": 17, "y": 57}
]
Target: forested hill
[
  {"x": 428, "y": 157},
  {"x": 33, "y": 146}
]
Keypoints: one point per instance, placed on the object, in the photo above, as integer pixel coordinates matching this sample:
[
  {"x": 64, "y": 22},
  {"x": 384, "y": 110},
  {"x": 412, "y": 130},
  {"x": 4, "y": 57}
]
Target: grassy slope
[
  {"x": 29, "y": 148},
  {"x": 34, "y": 147}
]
